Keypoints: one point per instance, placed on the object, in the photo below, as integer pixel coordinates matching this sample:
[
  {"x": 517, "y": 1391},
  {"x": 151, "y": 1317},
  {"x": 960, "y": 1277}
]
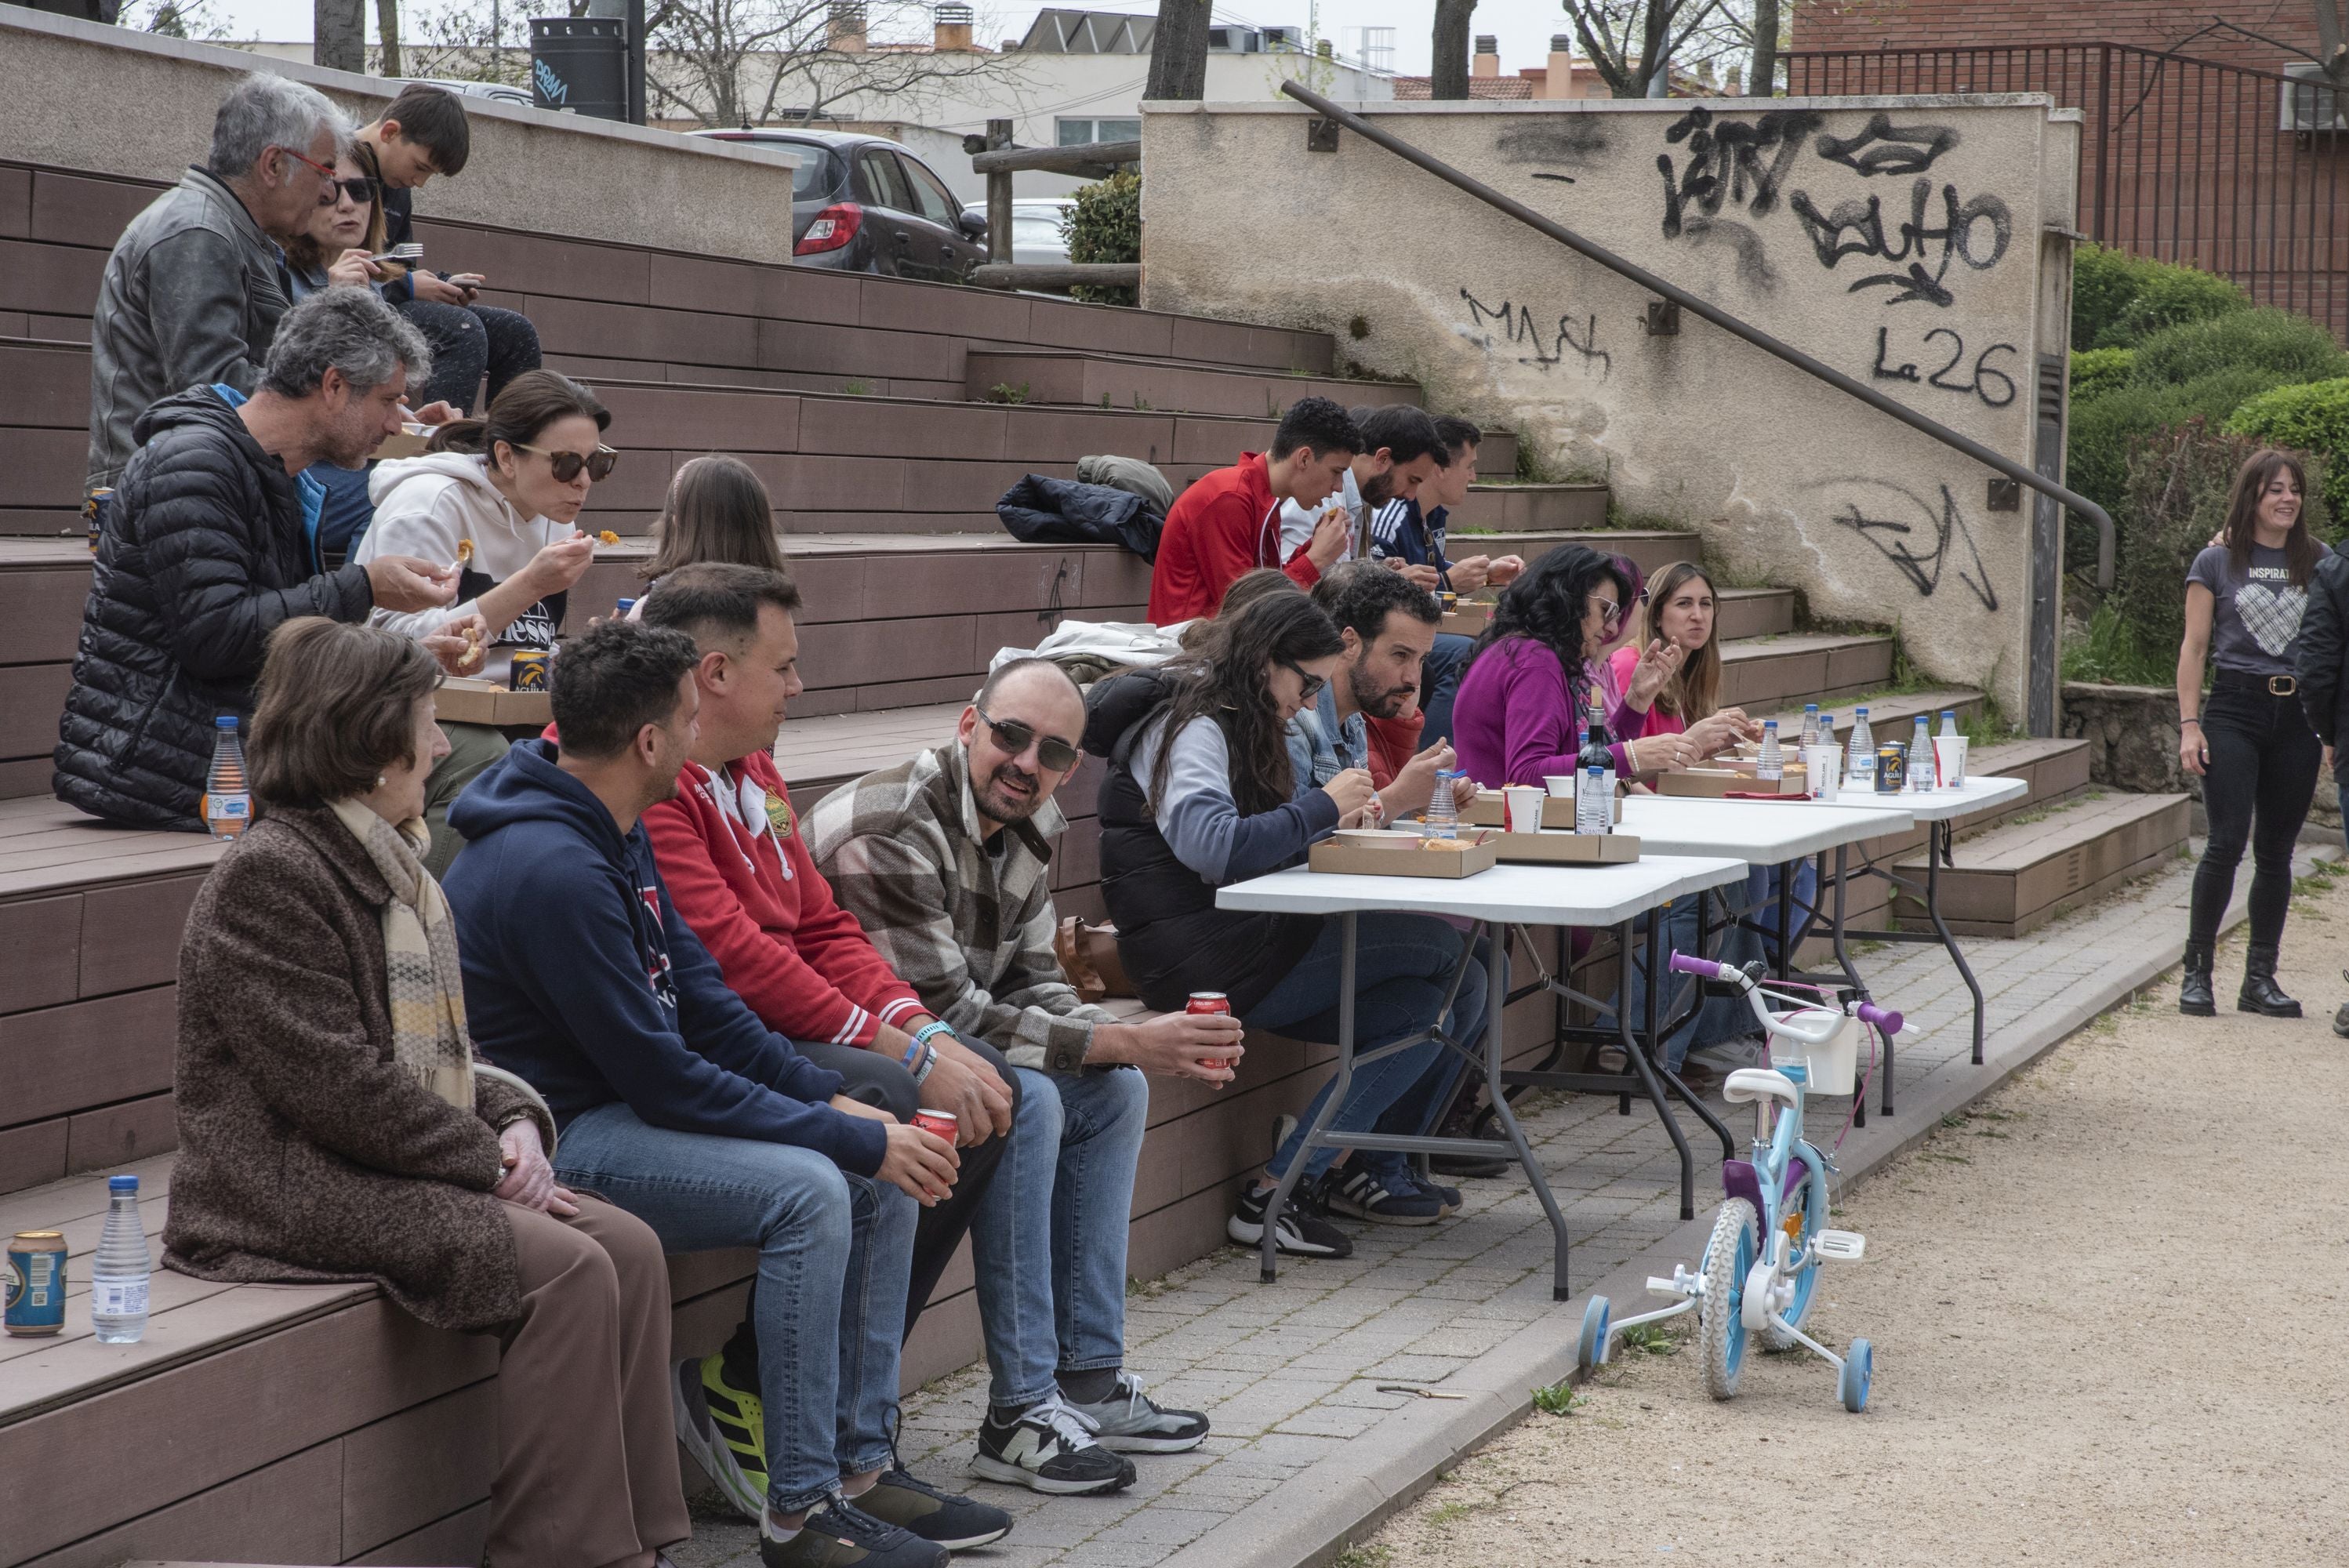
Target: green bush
[
  {"x": 2104, "y": 428},
  {"x": 2097, "y": 371},
  {"x": 1105, "y": 225},
  {"x": 2172, "y": 296},
  {"x": 2104, "y": 283},
  {"x": 2312, "y": 417},
  {"x": 2293, "y": 346}
]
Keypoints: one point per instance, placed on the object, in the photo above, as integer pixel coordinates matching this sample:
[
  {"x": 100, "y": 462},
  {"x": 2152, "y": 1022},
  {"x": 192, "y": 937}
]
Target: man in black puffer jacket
[{"x": 209, "y": 547}]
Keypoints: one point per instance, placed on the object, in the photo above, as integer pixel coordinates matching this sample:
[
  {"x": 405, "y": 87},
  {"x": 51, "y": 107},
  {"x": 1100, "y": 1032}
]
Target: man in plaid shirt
[{"x": 946, "y": 859}]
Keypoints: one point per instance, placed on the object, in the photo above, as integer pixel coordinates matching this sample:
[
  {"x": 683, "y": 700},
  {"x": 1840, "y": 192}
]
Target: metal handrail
[{"x": 1723, "y": 320}]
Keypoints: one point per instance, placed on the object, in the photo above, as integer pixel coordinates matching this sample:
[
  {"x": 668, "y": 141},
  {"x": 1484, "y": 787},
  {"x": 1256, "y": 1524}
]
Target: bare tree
[
  {"x": 1631, "y": 44},
  {"x": 1763, "y": 80},
  {"x": 1178, "y": 51},
  {"x": 1448, "y": 70},
  {"x": 747, "y": 62},
  {"x": 387, "y": 32},
  {"x": 173, "y": 18},
  {"x": 471, "y": 41},
  {"x": 338, "y": 34},
  {"x": 2331, "y": 41}
]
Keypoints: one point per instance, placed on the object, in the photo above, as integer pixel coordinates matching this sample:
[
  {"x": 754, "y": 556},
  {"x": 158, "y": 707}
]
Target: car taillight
[{"x": 833, "y": 228}]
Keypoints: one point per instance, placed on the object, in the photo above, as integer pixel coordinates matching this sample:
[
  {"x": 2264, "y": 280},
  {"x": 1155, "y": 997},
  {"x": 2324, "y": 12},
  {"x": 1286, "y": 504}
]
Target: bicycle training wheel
[
  {"x": 1728, "y": 1258},
  {"x": 1808, "y": 1215}
]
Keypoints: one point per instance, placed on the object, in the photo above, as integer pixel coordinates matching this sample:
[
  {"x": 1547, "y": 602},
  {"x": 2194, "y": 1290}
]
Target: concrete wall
[
  {"x": 1797, "y": 219},
  {"x": 80, "y": 96}
]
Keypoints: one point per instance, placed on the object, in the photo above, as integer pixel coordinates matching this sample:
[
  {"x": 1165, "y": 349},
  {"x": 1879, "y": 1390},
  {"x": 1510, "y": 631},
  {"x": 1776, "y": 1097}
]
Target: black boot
[
  {"x": 2341, "y": 1018},
  {"x": 2260, "y": 992},
  {"x": 2194, "y": 997}
]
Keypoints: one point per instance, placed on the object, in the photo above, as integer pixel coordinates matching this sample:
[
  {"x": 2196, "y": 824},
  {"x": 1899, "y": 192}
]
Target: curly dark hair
[
  {"x": 1317, "y": 423},
  {"x": 1229, "y": 685},
  {"x": 1546, "y": 604}
]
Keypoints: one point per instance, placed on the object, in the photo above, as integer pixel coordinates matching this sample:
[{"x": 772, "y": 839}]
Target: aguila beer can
[
  {"x": 529, "y": 671},
  {"x": 36, "y": 1282}
]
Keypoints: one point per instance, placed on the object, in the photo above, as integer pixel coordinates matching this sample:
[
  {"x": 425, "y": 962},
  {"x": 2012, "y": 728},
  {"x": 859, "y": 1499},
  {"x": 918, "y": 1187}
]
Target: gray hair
[
  {"x": 346, "y": 328},
  {"x": 265, "y": 111}
]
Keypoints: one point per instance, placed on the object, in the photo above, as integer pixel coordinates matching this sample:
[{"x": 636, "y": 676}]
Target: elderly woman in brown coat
[{"x": 334, "y": 1125}]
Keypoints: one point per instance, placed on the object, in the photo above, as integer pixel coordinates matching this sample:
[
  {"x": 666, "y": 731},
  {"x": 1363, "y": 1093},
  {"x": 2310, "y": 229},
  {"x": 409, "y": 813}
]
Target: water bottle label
[
  {"x": 227, "y": 808},
  {"x": 1594, "y": 804},
  {"x": 118, "y": 1298}
]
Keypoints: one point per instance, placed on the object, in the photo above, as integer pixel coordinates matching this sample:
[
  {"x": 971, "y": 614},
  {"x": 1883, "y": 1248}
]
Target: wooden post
[{"x": 998, "y": 196}]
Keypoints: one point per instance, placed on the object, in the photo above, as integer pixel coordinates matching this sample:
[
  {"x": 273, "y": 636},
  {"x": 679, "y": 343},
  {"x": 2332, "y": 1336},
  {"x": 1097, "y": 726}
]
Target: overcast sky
[{"x": 1524, "y": 26}]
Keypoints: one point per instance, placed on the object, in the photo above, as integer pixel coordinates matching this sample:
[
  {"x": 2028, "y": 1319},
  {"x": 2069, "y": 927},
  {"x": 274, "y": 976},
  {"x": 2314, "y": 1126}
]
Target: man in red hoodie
[
  {"x": 739, "y": 872},
  {"x": 1228, "y": 522}
]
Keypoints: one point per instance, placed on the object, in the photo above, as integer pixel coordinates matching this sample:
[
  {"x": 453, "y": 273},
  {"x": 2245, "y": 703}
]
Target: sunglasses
[
  {"x": 1014, "y": 737},
  {"x": 1311, "y": 684},
  {"x": 566, "y": 466},
  {"x": 360, "y": 188}
]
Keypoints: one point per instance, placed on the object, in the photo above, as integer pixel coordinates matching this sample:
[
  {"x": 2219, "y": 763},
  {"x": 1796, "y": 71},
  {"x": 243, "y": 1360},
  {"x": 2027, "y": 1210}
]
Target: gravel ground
[{"x": 2107, "y": 1309}]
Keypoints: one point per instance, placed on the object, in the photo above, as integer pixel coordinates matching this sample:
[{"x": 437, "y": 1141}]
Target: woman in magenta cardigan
[{"x": 1528, "y": 682}]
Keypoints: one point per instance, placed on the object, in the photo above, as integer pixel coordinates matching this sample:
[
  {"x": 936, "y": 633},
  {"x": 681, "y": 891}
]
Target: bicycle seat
[{"x": 1759, "y": 1083}]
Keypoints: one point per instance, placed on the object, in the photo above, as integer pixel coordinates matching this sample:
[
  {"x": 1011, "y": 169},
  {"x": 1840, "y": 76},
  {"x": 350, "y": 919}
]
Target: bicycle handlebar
[
  {"x": 1884, "y": 1018},
  {"x": 1688, "y": 964}
]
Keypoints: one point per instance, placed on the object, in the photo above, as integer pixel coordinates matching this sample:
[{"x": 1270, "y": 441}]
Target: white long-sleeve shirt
[{"x": 423, "y": 507}]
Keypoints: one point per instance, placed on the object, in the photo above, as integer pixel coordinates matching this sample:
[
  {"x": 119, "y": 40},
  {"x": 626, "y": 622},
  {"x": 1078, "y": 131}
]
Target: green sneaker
[
  {"x": 724, "y": 1430},
  {"x": 940, "y": 1518}
]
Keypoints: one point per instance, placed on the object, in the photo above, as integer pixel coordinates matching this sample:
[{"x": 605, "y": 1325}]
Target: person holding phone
[{"x": 424, "y": 132}]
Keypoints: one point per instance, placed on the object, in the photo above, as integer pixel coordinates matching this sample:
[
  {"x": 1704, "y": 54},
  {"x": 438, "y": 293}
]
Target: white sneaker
[{"x": 1129, "y": 1422}]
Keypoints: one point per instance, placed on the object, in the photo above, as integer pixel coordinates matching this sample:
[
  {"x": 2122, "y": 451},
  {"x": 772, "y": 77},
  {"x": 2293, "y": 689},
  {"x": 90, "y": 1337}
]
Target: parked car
[
  {"x": 1036, "y": 238},
  {"x": 863, "y": 205},
  {"x": 502, "y": 92}
]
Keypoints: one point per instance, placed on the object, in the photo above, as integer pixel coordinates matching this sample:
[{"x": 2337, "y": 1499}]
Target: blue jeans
[
  {"x": 1717, "y": 1019},
  {"x": 1420, "y": 1108},
  {"x": 1404, "y": 963},
  {"x": 1048, "y": 1242},
  {"x": 1439, "y": 681},
  {"x": 830, "y": 1307}
]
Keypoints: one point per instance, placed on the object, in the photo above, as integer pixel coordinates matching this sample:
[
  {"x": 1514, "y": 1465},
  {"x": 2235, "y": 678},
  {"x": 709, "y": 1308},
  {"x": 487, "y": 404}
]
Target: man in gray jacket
[{"x": 195, "y": 286}]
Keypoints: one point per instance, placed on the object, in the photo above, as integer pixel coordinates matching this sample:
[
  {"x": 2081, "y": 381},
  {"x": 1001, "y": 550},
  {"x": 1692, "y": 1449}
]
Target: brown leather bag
[{"x": 1088, "y": 955}]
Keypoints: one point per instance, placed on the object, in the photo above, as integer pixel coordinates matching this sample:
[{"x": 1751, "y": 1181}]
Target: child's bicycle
[{"x": 1761, "y": 1266}]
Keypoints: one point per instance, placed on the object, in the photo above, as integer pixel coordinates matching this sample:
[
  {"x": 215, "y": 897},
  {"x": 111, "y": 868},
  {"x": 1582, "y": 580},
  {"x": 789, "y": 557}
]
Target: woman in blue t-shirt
[{"x": 2251, "y": 745}]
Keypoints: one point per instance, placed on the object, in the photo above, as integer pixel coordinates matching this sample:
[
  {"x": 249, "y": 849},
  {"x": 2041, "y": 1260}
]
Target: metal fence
[{"x": 2237, "y": 170}]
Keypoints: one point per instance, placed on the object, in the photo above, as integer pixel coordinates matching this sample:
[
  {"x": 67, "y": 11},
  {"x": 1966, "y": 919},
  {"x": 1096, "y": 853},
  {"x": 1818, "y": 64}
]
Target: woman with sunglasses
[
  {"x": 1201, "y": 792},
  {"x": 500, "y": 496}
]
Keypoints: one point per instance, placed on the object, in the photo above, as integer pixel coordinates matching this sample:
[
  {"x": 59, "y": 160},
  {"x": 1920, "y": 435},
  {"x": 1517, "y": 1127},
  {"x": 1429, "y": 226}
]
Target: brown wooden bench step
[{"x": 2015, "y": 877}]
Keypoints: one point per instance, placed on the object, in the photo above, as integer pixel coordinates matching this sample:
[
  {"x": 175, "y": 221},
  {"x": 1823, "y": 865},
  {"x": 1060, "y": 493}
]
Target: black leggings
[
  {"x": 883, "y": 1083},
  {"x": 2262, "y": 771},
  {"x": 466, "y": 340}
]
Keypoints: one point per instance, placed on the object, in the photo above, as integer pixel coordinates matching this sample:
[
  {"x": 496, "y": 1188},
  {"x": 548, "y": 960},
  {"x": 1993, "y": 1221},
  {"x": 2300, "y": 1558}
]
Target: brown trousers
[{"x": 586, "y": 1446}]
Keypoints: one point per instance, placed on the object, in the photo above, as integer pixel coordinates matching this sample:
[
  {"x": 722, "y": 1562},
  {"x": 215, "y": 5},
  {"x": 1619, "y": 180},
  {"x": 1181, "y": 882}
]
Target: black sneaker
[
  {"x": 1366, "y": 1195},
  {"x": 841, "y": 1535},
  {"x": 940, "y": 1518},
  {"x": 1299, "y": 1233},
  {"x": 1449, "y": 1197},
  {"x": 1050, "y": 1448},
  {"x": 2341, "y": 1018},
  {"x": 1131, "y": 1422}
]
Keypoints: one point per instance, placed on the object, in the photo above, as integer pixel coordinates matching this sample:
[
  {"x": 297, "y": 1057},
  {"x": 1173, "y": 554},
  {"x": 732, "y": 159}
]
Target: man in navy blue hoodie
[{"x": 676, "y": 1102}]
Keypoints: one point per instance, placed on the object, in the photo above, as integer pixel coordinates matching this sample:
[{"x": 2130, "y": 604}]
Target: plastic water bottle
[
  {"x": 1859, "y": 766},
  {"x": 1443, "y": 821},
  {"x": 1810, "y": 724},
  {"x": 228, "y": 805},
  {"x": 1921, "y": 758},
  {"x": 119, "y": 1273},
  {"x": 1950, "y": 724},
  {"x": 1594, "y": 793},
  {"x": 1772, "y": 767}
]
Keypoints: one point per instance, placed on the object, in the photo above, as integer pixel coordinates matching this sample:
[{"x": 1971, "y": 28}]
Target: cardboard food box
[
  {"x": 1489, "y": 811},
  {"x": 461, "y": 700},
  {"x": 1713, "y": 783},
  {"x": 1568, "y": 848},
  {"x": 1468, "y": 617},
  {"x": 1391, "y": 852},
  {"x": 408, "y": 443}
]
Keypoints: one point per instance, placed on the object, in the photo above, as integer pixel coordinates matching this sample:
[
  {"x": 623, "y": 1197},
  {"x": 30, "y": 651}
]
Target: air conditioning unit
[
  {"x": 1234, "y": 41},
  {"x": 1290, "y": 40},
  {"x": 2307, "y": 103}
]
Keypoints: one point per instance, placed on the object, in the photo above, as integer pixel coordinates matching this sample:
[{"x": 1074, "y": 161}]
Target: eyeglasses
[
  {"x": 566, "y": 466},
  {"x": 1611, "y": 612},
  {"x": 325, "y": 172},
  {"x": 1310, "y": 683},
  {"x": 361, "y": 190},
  {"x": 1014, "y": 737}
]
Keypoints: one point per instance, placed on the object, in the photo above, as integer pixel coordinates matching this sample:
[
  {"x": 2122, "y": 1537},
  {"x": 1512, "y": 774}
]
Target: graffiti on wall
[
  {"x": 1924, "y": 537},
  {"x": 1512, "y": 328},
  {"x": 1978, "y": 376}
]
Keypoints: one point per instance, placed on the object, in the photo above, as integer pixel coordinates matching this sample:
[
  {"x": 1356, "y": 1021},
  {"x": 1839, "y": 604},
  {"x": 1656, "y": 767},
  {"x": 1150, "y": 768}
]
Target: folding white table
[{"x": 1493, "y": 900}]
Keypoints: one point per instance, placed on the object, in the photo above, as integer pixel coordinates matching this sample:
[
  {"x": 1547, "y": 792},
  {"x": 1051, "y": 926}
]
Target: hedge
[
  {"x": 2097, "y": 371},
  {"x": 1105, "y": 225},
  {"x": 2103, "y": 428},
  {"x": 2312, "y": 417},
  {"x": 2294, "y": 347},
  {"x": 2117, "y": 298}
]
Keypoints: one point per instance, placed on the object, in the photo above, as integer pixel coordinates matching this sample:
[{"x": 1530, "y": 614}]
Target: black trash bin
[{"x": 580, "y": 63}]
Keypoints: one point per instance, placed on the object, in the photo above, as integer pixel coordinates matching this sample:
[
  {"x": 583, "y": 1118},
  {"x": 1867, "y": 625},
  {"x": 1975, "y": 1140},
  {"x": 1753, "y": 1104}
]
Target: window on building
[{"x": 1084, "y": 132}]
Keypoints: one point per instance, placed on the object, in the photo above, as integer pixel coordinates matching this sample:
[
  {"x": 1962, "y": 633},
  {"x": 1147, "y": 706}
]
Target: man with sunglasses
[
  {"x": 193, "y": 293},
  {"x": 947, "y": 859}
]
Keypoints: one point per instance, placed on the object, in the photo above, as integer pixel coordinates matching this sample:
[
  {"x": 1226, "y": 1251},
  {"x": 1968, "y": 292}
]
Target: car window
[
  {"x": 816, "y": 173},
  {"x": 938, "y": 203},
  {"x": 880, "y": 181}
]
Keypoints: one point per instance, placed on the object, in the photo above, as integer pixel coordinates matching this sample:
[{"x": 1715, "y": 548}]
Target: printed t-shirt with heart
[{"x": 2256, "y": 620}]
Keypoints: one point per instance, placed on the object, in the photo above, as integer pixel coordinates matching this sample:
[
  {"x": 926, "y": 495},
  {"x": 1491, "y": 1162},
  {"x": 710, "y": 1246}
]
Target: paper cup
[
  {"x": 1824, "y": 766},
  {"x": 1525, "y": 807},
  {"x": 1559, "y": 785},
  {"x": 1949, "y": 759}
]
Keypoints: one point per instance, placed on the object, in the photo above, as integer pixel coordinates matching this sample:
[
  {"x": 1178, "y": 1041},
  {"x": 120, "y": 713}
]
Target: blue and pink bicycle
[{"x": 1760, "y": 1270}]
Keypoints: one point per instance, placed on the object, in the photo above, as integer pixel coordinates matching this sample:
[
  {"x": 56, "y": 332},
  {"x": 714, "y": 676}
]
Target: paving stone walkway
[{"x": 1289, "y": 1372}]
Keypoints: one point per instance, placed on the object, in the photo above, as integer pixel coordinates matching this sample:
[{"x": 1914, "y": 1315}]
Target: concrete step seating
[
  {"x": 2014, "y": 876},
  {"x": 1079, "y": 379}
]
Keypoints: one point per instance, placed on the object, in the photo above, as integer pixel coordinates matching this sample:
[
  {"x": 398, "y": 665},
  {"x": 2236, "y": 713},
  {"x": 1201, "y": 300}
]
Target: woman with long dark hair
[
  {"x": 1201, "y": 792},
  {"x": 2251, "y": 745}
]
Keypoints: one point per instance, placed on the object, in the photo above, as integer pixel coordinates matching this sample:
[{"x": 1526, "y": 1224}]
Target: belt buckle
[{"x": 2283, "y": 685}]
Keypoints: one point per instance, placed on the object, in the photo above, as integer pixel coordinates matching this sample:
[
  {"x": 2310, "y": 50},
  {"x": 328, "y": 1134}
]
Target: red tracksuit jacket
[{"x": 1227, "y": 524}]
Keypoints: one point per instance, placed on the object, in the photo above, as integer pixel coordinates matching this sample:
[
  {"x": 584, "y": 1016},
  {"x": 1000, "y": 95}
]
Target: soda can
[
  {"x": 1210, "y": 1002},
  {"x": 529, "y": 672},
  {"x": 36, "y": 1282},
  {"x": 940, "y": 1122},
  {"x": 1891, "y": 769},
  {"x": 94, "y": 508}
]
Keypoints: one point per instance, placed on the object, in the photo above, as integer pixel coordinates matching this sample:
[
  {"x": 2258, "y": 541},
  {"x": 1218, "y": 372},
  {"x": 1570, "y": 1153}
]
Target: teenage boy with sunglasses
[{"x": 947, "y": 859}]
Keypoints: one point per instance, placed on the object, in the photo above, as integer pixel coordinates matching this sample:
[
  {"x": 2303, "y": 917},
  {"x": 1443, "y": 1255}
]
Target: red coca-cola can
[
  {"x": 941, "y": 1123},
  {"x": 1217, "y": 1004}
]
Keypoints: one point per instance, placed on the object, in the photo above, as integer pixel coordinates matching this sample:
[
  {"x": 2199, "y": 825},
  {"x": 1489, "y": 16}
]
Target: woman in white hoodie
[{"x": 500, "y": 496}]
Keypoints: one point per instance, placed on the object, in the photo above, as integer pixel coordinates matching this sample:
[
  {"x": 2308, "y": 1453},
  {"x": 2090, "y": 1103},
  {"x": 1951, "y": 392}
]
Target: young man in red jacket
[
  {"x": 739, "y": 872},
  {"x": 1228, "y": 522}
]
